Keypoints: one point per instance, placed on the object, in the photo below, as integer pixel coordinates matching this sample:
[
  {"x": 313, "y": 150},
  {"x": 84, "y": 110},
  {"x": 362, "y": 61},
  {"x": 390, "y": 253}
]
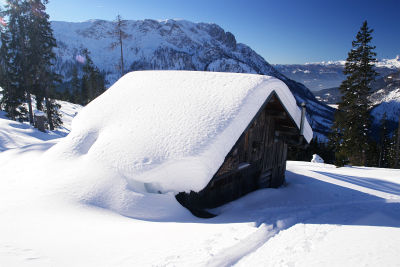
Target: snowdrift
[{"x": 169, "y": 131}]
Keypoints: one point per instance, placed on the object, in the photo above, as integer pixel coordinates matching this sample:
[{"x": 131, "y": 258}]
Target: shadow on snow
[
  {"x": 370, "y": 183},
  {"x": 307, "y": 200}
]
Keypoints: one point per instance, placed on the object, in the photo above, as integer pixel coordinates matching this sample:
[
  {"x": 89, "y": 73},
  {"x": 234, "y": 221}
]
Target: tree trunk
[
  {"x": 11, "y": 113},
  {"x": 122, "y": 53},
  {"x": 29, "y": 100},
  {"x": 49, "y": 115}
]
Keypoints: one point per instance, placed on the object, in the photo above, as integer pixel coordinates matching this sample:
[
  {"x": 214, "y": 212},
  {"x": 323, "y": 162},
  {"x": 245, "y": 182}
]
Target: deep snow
[
  {"x": 16, "y": 135},
  {"x": 70, "y": 213},
  {"x": 170, "y": 131}
]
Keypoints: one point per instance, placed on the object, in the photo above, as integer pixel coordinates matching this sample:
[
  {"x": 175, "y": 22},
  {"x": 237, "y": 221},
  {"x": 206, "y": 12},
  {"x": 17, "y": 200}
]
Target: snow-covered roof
[{"x": 171, "y": 130}]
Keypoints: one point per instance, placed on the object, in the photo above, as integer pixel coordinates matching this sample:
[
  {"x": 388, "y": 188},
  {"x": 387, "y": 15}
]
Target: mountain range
[
  {"x": 324, "y": 75},
  {"x": 384, "y": 99},
  {"x": 173, "y": 44}
]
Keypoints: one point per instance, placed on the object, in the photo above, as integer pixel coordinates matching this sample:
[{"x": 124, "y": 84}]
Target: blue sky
[{"x": 282, "y": 31}]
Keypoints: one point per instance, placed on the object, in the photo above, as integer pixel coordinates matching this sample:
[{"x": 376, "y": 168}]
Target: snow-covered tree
[{"x": 352, "y": 124}]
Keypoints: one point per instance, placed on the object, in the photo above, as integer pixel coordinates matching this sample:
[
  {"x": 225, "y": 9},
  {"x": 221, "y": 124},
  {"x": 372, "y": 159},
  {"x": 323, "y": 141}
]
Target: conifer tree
[
  {"x": 87, "y": 91},
  {"x": 396, "y": 147},
  {"x": 120, "y": 35},
  {"x": 93, "y": 83},
  {"x": 384, "y": 144},
  {"x": 352, "y": 125},
  {"x": 30, "y": 46},
  {"x": 17, "y": 13},
  {"x": 42, "y": 57},
  {"x": 12, "y": 98},
  {"x": 53, "y": 113},
  {"x": 76, "y": 86}
]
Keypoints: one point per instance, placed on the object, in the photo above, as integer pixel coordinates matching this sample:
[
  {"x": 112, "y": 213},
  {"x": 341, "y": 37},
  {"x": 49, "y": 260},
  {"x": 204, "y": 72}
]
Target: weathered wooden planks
[{"x": 261, "y": 149}]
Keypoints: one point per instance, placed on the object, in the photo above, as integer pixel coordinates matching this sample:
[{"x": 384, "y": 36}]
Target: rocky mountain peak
[{"x": 172, "y": 44}]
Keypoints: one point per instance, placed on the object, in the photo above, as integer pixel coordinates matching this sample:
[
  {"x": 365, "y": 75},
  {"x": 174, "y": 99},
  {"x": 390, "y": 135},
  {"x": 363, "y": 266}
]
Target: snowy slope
[
  {"x": 171, "y": 130},
  {"x": 173, "y": 45},
  {"x": 387, "y": 98},
  {"x": 15, "y": 134},
  {"x": 330, "y": 96},
  {"x": 389, "y": 105}
]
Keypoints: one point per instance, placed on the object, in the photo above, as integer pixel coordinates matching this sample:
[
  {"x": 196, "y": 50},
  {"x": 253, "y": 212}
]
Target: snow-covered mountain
[
  {"x": 393, "y": 63},
  {"x": 385, "y": 98},
  {"x": 329, "y": 74},
  {"x": 173, "y": 44},
  {"x": 328, "y": 96}
]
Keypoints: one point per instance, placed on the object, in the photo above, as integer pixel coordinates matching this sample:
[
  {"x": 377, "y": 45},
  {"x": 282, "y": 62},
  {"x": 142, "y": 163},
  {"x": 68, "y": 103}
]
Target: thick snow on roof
[{"x": 171, "y": 130}]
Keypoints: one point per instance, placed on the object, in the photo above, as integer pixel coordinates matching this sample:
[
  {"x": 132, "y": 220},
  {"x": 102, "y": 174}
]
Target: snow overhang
[{"x": 171, "y": 130}]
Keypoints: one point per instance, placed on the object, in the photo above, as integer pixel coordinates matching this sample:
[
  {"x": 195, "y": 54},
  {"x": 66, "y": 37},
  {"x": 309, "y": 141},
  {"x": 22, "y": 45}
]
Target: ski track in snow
[{"x": 296, "y": 216}]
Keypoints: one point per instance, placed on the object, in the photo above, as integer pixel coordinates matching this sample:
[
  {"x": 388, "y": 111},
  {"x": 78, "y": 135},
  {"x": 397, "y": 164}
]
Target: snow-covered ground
[
  {"x": 16, "y": 135},
  {"x": 333, "y": 106},
  {"x": 69, "y": 213}
]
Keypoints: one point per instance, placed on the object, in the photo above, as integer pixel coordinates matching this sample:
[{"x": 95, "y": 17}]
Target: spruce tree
[
  {"x": 352, "y": 125},
  {"x": 12, "y": 97},
  {"x": 76, "y": 83},
  {"x": 86, "y": 92},
  {"x": 30, "y": 47},
  {"x": 42, "y": 57},
  {"x": 396, "y": 147},
  {"x": 384, "y": 144},
  {"x": 14, "y": 47},
  {"x": 53, "y": 113},
  {"x": 93, "y": 83},
  {"x": 18, "y": 13}
]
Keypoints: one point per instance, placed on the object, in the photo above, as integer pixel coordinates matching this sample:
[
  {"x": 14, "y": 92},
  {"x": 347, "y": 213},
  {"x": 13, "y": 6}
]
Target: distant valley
[{"x": 324, "y": 75}]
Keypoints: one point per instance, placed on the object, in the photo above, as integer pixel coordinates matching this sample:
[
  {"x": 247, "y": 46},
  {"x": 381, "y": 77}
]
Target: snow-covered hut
[{"x": 207, "y": 137}]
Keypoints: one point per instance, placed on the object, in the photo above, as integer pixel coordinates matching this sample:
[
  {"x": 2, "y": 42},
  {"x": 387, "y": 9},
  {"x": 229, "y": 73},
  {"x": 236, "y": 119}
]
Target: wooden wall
[{"x": 257, "y": 160}]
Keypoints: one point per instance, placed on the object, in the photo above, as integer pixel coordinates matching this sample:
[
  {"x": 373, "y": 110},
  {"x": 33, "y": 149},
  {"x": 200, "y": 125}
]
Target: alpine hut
[{"x": 207, "y": 137}]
